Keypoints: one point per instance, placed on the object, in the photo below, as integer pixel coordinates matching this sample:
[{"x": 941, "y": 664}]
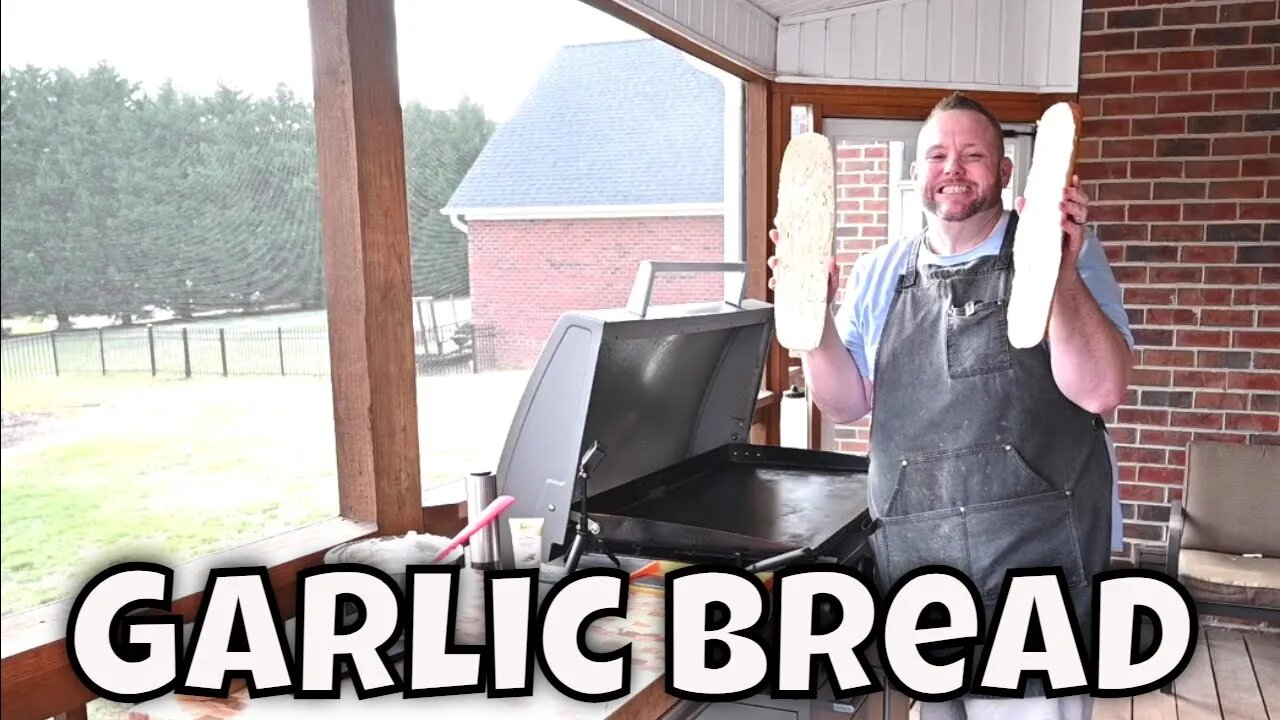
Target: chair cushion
[
  {"x": 1231, "y": 496},
  {"x": 1223, "y": 578}
]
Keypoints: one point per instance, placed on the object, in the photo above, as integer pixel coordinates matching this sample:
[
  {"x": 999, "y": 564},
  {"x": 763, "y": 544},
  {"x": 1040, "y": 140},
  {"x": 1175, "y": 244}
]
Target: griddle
[{"x": 668, "y": 393}]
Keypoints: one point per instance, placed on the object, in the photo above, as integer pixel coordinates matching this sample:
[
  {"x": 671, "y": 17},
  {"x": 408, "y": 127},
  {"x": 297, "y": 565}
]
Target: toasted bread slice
[
  {"x": 806, "y": 222},
  {"x": 1037, "y": 240}
]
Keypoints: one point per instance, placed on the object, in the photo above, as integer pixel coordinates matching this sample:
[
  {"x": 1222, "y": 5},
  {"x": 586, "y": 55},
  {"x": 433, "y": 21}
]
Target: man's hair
[{"x": 960, "y": 101}]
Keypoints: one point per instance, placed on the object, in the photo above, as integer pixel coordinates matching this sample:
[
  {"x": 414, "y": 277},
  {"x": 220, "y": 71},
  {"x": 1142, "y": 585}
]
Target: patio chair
[{"x": 1224, "y": 535}]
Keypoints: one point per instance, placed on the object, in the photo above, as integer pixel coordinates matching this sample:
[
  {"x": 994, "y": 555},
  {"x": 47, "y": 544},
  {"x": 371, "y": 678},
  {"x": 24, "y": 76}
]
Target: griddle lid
[{"x": 653, "y": 385}]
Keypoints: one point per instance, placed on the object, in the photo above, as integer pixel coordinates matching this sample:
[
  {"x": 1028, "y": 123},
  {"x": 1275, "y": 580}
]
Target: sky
[{"x": 489, "y": 50}]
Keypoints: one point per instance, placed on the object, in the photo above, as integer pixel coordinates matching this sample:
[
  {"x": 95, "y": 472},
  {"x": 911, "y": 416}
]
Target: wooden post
[
  {"x": 102, "y": 351},
  {"x": 280, "y": 342},
  {"x": 422, "y": 326},
  {"x": 365, "y": 222},
  {"x": 435, "y": 326},
  {"x": 186, "y": 354}
]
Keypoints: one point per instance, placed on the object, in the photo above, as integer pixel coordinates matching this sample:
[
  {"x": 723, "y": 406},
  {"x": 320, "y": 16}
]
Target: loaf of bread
[
  {"x": 1037, "y": 240},
  {"x": 806, "y": 221}
]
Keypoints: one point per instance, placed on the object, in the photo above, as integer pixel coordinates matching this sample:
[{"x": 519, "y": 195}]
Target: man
[{"x": 982, "y": 457}]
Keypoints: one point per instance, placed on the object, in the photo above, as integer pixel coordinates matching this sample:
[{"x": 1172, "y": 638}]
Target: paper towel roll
[{"x": 794, "y": 419}]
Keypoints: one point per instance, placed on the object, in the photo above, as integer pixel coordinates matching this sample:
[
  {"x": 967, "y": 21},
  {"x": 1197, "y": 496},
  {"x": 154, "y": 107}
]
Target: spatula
[{"x": 490, "y": 513}]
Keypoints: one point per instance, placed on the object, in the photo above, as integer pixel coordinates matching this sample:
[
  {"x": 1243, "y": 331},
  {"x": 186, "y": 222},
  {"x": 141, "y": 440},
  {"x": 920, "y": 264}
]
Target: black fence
[{"x": 196, "y": 351}]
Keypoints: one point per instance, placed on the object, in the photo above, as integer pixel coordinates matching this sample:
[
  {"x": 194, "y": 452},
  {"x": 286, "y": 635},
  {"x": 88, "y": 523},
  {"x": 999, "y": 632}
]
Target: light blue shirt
[{"x": 869, "y": 291}]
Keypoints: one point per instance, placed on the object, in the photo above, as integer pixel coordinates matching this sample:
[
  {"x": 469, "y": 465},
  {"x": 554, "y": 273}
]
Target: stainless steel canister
[{"x": 482, "y": 548}]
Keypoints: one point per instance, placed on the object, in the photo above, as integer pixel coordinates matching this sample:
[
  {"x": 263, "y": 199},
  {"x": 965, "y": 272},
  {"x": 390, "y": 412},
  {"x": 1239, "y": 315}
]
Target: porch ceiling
[{"x": 781, "y": 9}]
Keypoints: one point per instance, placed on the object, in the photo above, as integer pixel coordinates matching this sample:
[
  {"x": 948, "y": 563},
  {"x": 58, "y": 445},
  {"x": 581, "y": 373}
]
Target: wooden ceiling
[{"x": 786, "y": 8}]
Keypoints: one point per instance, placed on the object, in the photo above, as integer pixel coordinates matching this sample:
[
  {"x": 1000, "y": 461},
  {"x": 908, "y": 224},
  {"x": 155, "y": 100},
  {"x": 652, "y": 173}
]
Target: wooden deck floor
[{"x": 1232, "y": 676}]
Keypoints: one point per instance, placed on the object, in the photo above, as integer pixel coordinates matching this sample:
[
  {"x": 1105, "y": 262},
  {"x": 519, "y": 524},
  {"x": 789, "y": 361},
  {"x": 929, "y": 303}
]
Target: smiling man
[{"x": 983, "y": 457}]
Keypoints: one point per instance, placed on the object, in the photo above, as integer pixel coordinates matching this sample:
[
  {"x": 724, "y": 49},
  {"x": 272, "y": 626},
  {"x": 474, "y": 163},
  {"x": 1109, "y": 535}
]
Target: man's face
[{"x": 960, "y": 167}]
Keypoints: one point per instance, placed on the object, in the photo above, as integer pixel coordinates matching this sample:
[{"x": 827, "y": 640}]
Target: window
[
  {"x": 166, "y": 388},
  {"x": 536, "y": 188}
]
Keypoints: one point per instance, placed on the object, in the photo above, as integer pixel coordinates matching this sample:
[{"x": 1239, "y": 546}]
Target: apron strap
[
  {"x": 1005, "y": 258},
  {"x": 910, "y": 273}
]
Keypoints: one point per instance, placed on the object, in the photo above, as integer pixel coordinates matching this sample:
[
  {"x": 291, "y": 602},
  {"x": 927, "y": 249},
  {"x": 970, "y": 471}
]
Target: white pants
[{"x": 1073, "y": 707}]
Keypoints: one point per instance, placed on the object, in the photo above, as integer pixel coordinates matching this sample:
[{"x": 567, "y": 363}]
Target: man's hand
[
  {"x": 1090, "y": 358},
  {"x": 1075, "y": 212},
  {"x": 833, "y": 274}
]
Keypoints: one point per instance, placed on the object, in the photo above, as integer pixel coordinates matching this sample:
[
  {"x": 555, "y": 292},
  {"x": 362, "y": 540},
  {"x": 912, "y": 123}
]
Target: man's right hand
[{"x": 833, "y": 274}]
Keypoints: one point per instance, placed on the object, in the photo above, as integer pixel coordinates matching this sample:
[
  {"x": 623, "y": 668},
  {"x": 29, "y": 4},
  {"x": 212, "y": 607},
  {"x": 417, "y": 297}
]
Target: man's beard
[{"x": 985, "y": 199}]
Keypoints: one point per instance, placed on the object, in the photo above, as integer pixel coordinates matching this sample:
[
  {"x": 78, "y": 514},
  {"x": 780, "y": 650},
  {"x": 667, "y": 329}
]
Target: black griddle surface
[{"x": 794, "y": 498}]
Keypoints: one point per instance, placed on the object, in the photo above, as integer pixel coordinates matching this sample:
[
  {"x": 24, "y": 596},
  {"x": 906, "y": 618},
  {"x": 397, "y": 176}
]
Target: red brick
[
  {"x": 1139, "y": 148},
  {"x": 1176, "y": 275},
  {"x": 1131, "y": 62},
  {"x": 1155, "y": 213},
  {"x": 1151, "y": 456},
  {"x": 1125, "y": 274},
  {"x": 1269, "y": 382},
  {"x": 1218, "y": 80},
  {"x": 1178, "y": 191},
  {"x": 1182, "y": 147},
  {"x": 1198, "y": 420},
  {"x": 1203, "y": 253},
  {"x": 1159, "y": 475},
  {"x": 1147, "y": 126},
  {"x": 1209, "y": 211},
  {"x": 1257, "y": 339},
  {"x": 1163, "y": 82},
  {"x": 1110, "y": 85},
  {"x": 1221, "y": 401},
  {"x": 1234, "y": 232},
  {"x": 1148, "y": 296},
  {"x": 1267, "y": 361},
  {"x": 1226, "y": 318},
  {"x": 1203, "y": 338},
  {"x": 1164, "y": 38},
  {"x": 1223, "y": 102},
  {"x": 1219, "y": 437},
  {"x": 1242, "y": 189},
  {"x": 1106, "y": 213},
  {"x": 1164, "y": 168},
  {"x": 1253, "y": 423},
  {"x": 1150, "y": 378},
  {"x": 1145, "y": 253},
  {"x": 1186, "y": 59},
  {"x": 1243, "y": 57},
  {"x": 1114, "y": 232},
  {"x": 1106, "y": 127},
  {"x": 1093, "y": 22},
  {"x": 1247, "y": 12},
  {"x": 1151, "y": 336},
  {"x": 1260, "y": 211},
  {"x": 1249, "y": 145},
  {"x": 1262, "y": 122},
  {"x": 1156, "y": 357},
  {"x": 1200, "y": 379},
  {"x": 1221, "y": 35},
  {"x": 1088, "y": 149},
  {"x": 1229, "y": 359},
  {"x": 1268, "y": 78},
  {"x": 1229, "y": 276},
  {"x": 1173, "y": 104},
  {"x": 1164, "y": 437},
  {"x": 1107, "y": 42},
  {"x": 1148, "y": 493},
  {"x": 1135, "y": 416},
  {"x": 1269, "y": 318},
  {"x": 1134, "y": 105},
  {"x": 1202, "y": 296},
  {"x": 1265, "y": 403},
  {"x": 1124, "y": 191},
  {"x": 1176, "y": 233},
  {"x": 1212, "y": 168},
  {"x": 1216, "y": 124},
  {"x": 1189, "y": 15},
  {"x": 1258, "y": 296}
]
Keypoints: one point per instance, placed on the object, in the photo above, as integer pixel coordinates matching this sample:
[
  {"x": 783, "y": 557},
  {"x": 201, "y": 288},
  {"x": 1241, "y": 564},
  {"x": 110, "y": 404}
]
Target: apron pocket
[
  {"x": 948, "y": 479},
  {"x": 977, "y": 339},
  {"x": 936, "y": 538},
  {"x": 1031, "y": 532}
]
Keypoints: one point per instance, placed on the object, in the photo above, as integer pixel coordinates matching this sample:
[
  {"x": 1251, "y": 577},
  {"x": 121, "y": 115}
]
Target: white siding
[
  {"x": 1030, "y": 45},
  {"x": 736, "y": 29}
]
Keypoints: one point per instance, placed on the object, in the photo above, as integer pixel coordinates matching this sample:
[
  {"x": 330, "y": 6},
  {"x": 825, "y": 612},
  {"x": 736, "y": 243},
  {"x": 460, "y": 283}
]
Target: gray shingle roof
[{"x": 622, "y": 123}]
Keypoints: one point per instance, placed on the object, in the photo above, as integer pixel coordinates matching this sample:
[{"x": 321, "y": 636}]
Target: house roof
[{"x": 611, "y": 124}]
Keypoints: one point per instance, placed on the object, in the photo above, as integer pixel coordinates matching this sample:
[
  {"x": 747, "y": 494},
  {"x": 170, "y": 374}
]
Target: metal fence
[{"x": 195, "y": 351}]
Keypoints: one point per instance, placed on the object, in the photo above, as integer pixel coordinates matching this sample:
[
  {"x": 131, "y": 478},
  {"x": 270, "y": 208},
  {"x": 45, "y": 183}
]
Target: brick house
[{"x": 584, "y": 182}]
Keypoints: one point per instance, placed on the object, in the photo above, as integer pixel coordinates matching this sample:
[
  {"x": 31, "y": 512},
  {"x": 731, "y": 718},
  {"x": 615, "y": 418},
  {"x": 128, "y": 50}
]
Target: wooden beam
[
  {"x": 756, "y": 167},
  {"x": 360, "y": 159},
  {"x": 675, "y": 39}
]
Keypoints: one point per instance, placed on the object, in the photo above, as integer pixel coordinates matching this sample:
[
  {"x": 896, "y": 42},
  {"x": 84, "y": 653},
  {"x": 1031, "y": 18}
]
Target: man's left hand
[{"x": 1075, "y": 212}]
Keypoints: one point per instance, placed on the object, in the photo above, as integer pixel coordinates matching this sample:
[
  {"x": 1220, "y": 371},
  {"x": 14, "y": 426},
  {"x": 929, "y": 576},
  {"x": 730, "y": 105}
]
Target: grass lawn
[{"x": 101, "y": 470}]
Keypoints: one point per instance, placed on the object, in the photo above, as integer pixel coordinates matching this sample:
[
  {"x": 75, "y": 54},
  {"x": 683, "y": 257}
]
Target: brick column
[{"x": 1181, "y": 156}]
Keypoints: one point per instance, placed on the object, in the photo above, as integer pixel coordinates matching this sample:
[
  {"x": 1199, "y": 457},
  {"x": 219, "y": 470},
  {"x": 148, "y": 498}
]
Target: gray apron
[{"x": 977, "y": 460}]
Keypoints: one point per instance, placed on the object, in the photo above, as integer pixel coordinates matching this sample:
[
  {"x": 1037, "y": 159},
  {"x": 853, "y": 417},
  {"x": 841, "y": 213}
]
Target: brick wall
[
  {"x": 1181, "y": 156},
  {"x": 525, "y": 273},
  {"x": 862, "y": 224}
]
